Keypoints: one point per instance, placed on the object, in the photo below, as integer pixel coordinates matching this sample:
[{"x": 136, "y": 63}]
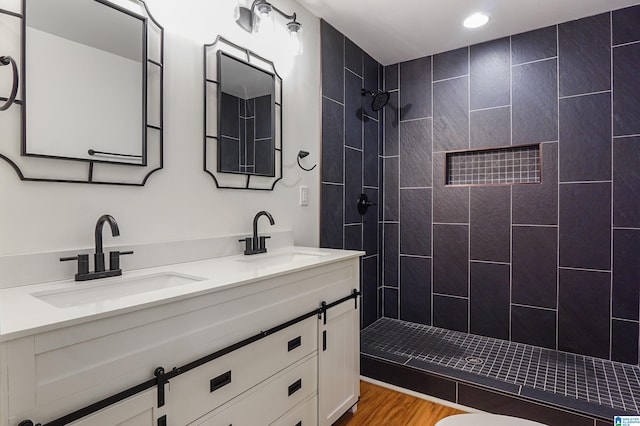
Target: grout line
[
  {"x": 485, "y": 109},
  {"x": 468, "y": 199},
  {"x": 558, "y": 190},
  {"x": 414, "y": 119},
  {"x": 523, "y": 305},
  {"x": 352, "y": 148},
  {"x": 524, "y": 225},
  {"x": 333, "y": 183},
  {"x": 344, "y": 140},
  {"x": 570, "y": 268},
  {"x": 510, "y": 325},
  {"x": 417, "y": 256},
  {"x": 624, "y": 44},
  {"x": 533, "y": 62},
  {"x": 611, "y": 189},
  {"x": 431, "y": 269},
  {"x": 353, "y": 72},
  {"x": 490, "y": 262},
  {"x": 414, "y": 187},
  {"x": 584, "y": 94},
  {"x": 444, "y": 79},
  {"x": 584, "y": 182},
  {"x": 332, "y": 100},
  {"x": 627, "y": 136},
  {"x": 452, "y": 296}
]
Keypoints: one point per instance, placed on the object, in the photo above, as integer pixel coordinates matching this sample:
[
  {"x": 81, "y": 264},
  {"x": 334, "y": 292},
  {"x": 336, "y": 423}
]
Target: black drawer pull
[
  {"x": 220, "y": 381},
  {"x": 294, "y": 343},
  {"x": 324, "y": 340},
  {"x": 295, "y": 387}
]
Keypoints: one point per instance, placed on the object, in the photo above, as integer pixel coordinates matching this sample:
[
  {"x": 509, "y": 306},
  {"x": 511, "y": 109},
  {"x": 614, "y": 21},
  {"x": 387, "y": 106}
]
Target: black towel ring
[
  {"x": 6, "y": 60},
  {"x": 302, "y": 154}
]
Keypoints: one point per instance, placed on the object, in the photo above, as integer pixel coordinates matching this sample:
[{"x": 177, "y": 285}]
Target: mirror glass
[
  {"x": 246, "y": 117},
  {"x": 85, "y": 81}
]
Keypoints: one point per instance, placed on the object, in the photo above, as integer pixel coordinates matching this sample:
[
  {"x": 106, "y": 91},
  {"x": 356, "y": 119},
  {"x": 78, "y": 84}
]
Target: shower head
[{"x": 379, "y": 100}]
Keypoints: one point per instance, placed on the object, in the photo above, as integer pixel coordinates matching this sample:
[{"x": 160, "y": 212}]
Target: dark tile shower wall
[
  {"x": 351, "y": 163},
  {"x": 555, "y": 264}
]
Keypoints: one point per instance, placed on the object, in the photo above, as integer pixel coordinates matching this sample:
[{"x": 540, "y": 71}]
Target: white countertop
[{"x": 22, "y": 313}]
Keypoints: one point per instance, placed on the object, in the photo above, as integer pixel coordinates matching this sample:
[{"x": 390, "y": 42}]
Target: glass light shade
[
  {"x": 295, "y": 42},
  {"x": 264, "y": 24}
]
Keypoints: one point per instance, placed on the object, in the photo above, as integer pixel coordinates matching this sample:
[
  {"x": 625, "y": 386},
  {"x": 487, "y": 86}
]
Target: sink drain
[{"x": 474, "y": 360}]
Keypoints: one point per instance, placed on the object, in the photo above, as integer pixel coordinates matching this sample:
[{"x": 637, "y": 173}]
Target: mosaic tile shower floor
[{"x": 594, "y": 381}]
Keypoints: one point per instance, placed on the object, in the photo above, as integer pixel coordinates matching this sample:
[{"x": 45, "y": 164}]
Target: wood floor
[{"x": 380, "y": 406}]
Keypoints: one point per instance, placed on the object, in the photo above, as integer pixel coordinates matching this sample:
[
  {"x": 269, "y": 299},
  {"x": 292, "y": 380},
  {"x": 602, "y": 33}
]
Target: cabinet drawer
[
  {"x": 305, "y": 414},
  {"x": 267, "y": 402},
  {"x": 204, "y": 388}
]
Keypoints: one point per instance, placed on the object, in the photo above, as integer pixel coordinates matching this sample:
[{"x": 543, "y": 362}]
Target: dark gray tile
[
  {"x": 490, "y": 72},
  {"x": 391, "y": 189},
  {"x": 229, "y": 155},
  {"x": 391, "y": 125},
  {"x": 353, "y": 237},
  {"x": 454, "y": 63},
  {"x": 409, "y": 378},
  {"x": 415, "y": 221},
  {"x": 370, "y": 177},
  {"x": 625, "y": 27},
  {"x": 331, "y": 224},
  {"x": 229, "y": 116},
  {"x": 585, "y": 138},
  {"x": 583, "y": 312},
  {"x": 490, "y": 128},
  {"x": 626, "y": 182},
  {"x": 390, "y": 302},
  {"x": 352, "y": 57},
  {"x": 537, "y": 204},
  {"x": 585, "y": 55},
  {"x": 371, "y": 83},
  {"x": 626, "y": 273},
  {"x": 353, "y": 185},
  {"x": 451, "y": 114},
  {"x": 390, "y": 255},
  {"x": 533, "y": 326},
  {"x": 535, "y": 266},
  {"x": 353, "y": 110},
  {"x": 585, "y": 225},
  {"x": 332, "y": 51},
  {"x": 264, "y": 153},
  {"x": 490, "y": 222},
  {"x": 263, "y": 117},
  {"x": 626, "y": 90},
  {"x": 369, "y": 291},
  {"x": 415, "y": 88},
  {"x": 450, "y": 313},
  {"x": 391, "y": 77},
  {"x": 450, "y": 203},
  {"x": 534, "y": 45},
  {"x": 489, "y": 299},
  {"x": 506, "y": 405},
  {"x": 415, "y": 153},
  {"x": 332, "y": 141},
  {"x": 450, "y": 259},
  {"x": 624, "y": 341},
  {"x": 415, "y": 289},
  {"x": 370, "y": 224},
  {"x": 535, "y": 102}
]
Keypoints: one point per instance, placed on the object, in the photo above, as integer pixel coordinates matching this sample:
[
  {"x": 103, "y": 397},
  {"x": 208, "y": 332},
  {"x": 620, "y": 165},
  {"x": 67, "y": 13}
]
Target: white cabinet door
[
  {"x": 135, "y": 411},
  {"x": 338, "y": 362}
]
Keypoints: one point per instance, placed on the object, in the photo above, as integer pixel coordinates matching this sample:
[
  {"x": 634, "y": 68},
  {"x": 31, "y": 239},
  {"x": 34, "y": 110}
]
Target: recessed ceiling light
[{"x": 476, "y": 20}]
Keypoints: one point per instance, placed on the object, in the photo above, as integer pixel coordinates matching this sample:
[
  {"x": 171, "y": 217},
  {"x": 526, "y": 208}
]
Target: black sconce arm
[{"x": 6, "y": 60}]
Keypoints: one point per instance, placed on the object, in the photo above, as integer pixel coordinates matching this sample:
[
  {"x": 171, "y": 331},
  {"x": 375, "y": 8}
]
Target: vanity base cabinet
[
  {"x": 55, "y": 372},
  {"x": 338, "y": 362}
]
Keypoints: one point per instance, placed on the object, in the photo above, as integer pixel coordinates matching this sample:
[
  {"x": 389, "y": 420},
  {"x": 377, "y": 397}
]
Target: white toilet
[{"x": 482, "y": 419}]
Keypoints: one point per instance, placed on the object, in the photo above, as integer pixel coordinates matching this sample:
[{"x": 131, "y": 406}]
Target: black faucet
[
  {"x": 98, "y": 257},
  {"x": 255, "y": 244}
]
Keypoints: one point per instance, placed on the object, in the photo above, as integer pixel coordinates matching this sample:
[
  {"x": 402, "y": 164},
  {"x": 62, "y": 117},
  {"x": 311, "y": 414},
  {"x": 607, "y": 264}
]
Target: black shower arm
[{"x": 6, "y": 60}]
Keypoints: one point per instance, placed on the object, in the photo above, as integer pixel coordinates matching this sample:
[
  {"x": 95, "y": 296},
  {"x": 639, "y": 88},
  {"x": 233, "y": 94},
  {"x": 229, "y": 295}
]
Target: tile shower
[{"x": 553, "y": 265}]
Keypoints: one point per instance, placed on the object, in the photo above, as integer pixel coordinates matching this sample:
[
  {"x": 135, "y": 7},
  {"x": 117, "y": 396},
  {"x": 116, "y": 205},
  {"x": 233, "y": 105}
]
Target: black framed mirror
[
  {"x": 91, "y": 91},
  {"x": 243, "y": 118}
]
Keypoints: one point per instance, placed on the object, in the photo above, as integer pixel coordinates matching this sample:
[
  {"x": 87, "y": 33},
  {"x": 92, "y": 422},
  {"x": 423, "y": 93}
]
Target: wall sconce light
[{"x": 260, "y": 15}]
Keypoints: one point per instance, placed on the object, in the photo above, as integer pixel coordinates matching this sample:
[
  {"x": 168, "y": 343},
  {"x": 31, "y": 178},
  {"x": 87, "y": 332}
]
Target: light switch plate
[{"x": 304, "y": 195}]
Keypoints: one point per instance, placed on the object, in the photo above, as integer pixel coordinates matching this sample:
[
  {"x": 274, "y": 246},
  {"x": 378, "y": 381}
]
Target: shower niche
[{"x": 243, "y": 118}]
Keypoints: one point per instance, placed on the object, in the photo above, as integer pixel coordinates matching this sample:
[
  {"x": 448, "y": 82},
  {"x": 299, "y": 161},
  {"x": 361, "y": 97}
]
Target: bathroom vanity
[{"x": 241, "y": 340}]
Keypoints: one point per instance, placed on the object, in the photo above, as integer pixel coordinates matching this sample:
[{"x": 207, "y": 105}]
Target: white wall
[{"x": 181, "y": 201}]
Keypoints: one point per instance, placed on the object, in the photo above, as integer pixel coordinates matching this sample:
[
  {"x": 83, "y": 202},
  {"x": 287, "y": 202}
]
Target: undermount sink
[
  {"x": 113, "y": 289},
  {"x": 269, "y": 260}
]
